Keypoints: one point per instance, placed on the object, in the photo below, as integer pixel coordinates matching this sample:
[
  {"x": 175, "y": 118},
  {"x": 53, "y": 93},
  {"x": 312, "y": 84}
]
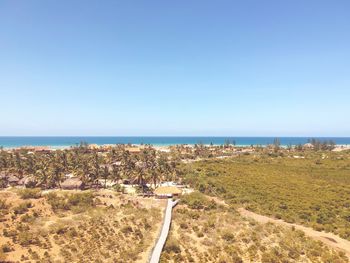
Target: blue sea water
[{"x": 9, "y": 142}]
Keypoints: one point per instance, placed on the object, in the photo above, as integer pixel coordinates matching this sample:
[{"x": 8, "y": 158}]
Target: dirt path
[{"x": 328, "y": 238}]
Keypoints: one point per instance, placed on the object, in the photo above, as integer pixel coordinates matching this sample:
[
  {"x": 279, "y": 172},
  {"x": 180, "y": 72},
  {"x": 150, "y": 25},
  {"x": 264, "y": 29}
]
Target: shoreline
[
  {"x": 65, "y": 142},
  {"x": 157, "y": 146}
]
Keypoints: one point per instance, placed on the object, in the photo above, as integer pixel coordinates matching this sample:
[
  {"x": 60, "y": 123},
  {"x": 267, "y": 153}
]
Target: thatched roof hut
[
  {"x": 167, "y": 191},
  {"x": 27, "y": 181},
  {"x": 12, "y": 180},
  {"x": 8, "y": 179},
  {"x": 308, "y": 146},
  {"x": 133, "y": 150},
  {"x": 73, "y": 183}
]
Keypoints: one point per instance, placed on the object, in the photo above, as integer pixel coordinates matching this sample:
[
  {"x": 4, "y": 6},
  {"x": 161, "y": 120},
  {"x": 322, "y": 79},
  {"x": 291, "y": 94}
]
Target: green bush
[
  {"x": 198, "y": 201},
  {"x": 6, "y": 248},
  {"x": 22, "y": 208},
  {"x": 228, "y": 236},
  {"x": 119, "y": 188},
  {"x": 28, "y": 193},
  {"x": 81, "y": 199},
  {"x": 57, "y": 202},
  {"x": 172, "y": 246},
  {"x": 74, "y": 201}
]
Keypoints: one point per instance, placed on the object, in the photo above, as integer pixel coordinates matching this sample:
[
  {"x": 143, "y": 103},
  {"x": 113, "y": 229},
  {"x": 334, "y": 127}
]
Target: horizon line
[{"x": 186, "y": 136}]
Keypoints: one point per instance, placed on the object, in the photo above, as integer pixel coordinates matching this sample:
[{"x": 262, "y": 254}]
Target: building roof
[
  {"x": 93, "y": 146},
  {"x": 308, "y": 145},
  {"x": 26, "y": 180},
  {"x": 133, "y": 149},
  {"x": 9, "y": 177},
  {"x": 12, "y": 179},
  {"x": 167, "y": 190},
  {"x": 73, "y": 182}
]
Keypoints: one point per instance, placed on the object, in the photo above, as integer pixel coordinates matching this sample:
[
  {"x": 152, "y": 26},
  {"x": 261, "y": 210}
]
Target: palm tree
[
  {"x": 127, "y": 164},
  {"x": 105, "y": 174},
  {"x": 56, "y": 176},
  {"x": 42, "y": 173},
  {"x": 64, "y": 159},
  {"x": 115, "y": 172},
  {"x": 95, "y": 168}
]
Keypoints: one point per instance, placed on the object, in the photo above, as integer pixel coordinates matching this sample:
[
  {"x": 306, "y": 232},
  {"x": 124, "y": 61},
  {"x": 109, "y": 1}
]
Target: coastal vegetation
[
  {"x": 42, "y": 222},
  {"x": 311, "y": 188},
  {"x": 206, "y": 231},
  {"x": 93, "y": 166},
  {"x": 70, "y": 226}
]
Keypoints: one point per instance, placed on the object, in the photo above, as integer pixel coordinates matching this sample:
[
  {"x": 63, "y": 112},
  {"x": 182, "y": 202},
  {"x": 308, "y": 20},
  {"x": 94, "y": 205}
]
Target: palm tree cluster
[
  {"x": 201, "y": 150},
  {"x": 322, "y": 144},
  {"x": 49, "y": 169}
]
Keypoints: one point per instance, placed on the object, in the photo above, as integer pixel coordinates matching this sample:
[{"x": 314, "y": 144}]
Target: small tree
[{"x": 276, "y": 144}]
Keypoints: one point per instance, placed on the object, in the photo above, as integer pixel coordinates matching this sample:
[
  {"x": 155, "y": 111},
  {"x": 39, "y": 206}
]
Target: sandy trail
[{"x": 329, "y": 239}]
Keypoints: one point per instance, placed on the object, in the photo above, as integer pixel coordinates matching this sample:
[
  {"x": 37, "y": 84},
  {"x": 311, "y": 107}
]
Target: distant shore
[
  {"x": 338, "y": 147},
  {"x": 60, "y": 142}
]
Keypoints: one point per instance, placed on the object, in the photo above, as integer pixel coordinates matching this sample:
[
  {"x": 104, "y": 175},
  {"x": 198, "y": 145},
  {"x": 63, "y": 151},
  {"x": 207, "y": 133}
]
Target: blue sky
[{"x": 240, "y": 68}]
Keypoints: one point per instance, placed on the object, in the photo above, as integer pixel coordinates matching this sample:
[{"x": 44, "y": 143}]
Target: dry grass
[
  {"x": 204, "y": 232},
  {"x": 77, "y": 227},
  {"x": 313, "y": 191}
]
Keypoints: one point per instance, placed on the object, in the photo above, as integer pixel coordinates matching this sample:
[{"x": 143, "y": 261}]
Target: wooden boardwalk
[{"x": 157, "y": 250}]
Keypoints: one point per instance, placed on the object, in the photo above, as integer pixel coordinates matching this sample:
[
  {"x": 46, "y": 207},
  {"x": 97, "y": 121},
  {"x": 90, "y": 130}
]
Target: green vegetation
[
  {"x": 312, "y": 188},
  {"x": 3, "y": 205},
  {"x": 34, "y": 193},
  {"x": 93, "y": 166},
  {"x": 197, "y": 200},
  {"x": 22, "y": 208},
  {"x": 220, "y": 234},
  {"x": 77, "y": 202}
]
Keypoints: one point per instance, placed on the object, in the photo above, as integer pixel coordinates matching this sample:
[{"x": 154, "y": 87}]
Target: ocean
[{"x": 58, "y": 142}]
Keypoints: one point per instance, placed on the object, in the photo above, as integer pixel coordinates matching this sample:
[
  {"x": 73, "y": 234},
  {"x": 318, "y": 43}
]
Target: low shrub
[
  {"x": 81, "y": 199},
  {"x": 27, "y": 218},
  {"x": 127, "y": 230},
  {"x": 75, "y": 201},
  {"x": 57, "y": 202},
  {"x": 33, "y": 193},
  {"x": 198, "y": 201},
  {"x": 228, "y": 236},
  {"x": 27, "y": 238},
  {"x": 6, "y": 248},
  {"x": 172, "y": 245},
  {"x": 22, "y": 208},
  {"x": 3, "y": 205}
]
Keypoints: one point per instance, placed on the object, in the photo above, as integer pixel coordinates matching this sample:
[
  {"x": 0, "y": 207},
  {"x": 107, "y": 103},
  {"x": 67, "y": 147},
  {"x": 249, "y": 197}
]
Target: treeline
[
  {"x": 49, "y": 169},
  {"x": 322, "y": 145},
  {"x": 313, "y": 143}
]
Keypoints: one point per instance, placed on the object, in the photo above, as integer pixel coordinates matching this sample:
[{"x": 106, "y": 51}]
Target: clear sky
[{"x": 240, "y": 68}]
